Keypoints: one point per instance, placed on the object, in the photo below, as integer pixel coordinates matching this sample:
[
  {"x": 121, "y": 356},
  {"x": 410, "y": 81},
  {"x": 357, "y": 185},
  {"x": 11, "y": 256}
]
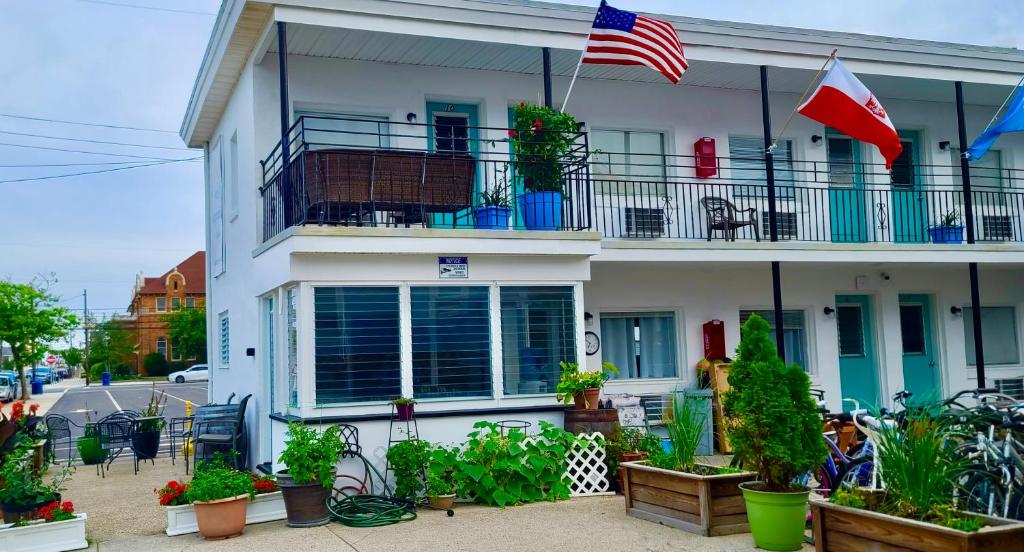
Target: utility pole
[{"x": 85, "y": 325}]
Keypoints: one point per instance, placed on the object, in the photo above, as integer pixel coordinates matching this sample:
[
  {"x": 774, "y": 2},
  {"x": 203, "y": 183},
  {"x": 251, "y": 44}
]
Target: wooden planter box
[
  {"x": 707, "y": 505},
  {"x": 57, "y": 536},
  {"x": 843, "y": 529},
  {"x": 265, "y": 507}
]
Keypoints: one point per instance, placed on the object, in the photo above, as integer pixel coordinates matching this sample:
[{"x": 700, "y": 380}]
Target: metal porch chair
[
  {"x": 58, "y": 430},
  {"x": 724, "y": 217},
  {"x": 221, "y": 428}
]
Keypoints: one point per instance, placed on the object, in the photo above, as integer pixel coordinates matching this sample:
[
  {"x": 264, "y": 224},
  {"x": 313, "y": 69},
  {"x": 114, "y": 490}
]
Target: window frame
[
  {"x": 223, "y": 340},
  {"x": 161, "y": 346},
  {"x": 968, "y": 315},
  {"x": 743, "y": 190},
  {"x": 161, "y": 304}
]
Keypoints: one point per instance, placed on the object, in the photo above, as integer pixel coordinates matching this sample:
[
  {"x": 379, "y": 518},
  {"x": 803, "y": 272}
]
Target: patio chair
[
  {"x": 221, "y": 428},
  {"x": 115, "y": 433},
  {"x": 58, "y": 431},
  {"x": 724, "y": 217}
]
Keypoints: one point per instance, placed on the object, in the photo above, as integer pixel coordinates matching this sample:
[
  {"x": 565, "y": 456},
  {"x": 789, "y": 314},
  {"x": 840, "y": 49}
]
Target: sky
[{"x": 132, "y": 63}]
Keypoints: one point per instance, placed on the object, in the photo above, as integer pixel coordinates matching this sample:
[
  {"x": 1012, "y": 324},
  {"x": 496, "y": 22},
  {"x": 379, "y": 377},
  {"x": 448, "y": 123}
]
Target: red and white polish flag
[{"x": 842, "y": 102}]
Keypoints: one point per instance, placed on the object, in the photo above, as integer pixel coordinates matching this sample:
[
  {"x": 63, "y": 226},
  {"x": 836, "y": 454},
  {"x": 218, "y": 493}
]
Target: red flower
[
  {"x": 511, "y": 133},
  {"x": 68, "y": 507},
  {"x": 33, "y": 409},
  {"x": 522, "y": 104}
]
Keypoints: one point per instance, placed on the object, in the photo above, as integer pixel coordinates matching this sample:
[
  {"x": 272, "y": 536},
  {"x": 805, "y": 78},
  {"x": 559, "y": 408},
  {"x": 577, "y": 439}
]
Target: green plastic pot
[
  {"x": 777, "y": 520},
  {"x": 90, "y": 451}
]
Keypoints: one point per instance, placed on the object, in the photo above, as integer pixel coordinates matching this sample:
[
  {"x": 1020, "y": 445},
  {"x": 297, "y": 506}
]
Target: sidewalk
[{"x": 51, "y": 394}]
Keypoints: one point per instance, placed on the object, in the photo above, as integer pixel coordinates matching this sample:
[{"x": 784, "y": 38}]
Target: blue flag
[{"x": 1011, "y": 121}]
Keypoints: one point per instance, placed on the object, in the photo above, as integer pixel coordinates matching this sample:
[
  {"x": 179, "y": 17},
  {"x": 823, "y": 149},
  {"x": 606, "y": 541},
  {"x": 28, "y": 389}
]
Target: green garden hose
[{"x": 371, "y": 510}]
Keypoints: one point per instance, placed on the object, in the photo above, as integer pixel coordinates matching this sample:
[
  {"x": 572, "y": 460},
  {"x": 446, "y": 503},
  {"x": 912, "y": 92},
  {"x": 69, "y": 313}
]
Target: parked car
[
  {"x": 62, "y": 372},
  {"x": 43, "y": 374},
  {"x": 7, "y": 389},
  {"x": 199, "y": 372},
  {"x": 12, "y": 376}
]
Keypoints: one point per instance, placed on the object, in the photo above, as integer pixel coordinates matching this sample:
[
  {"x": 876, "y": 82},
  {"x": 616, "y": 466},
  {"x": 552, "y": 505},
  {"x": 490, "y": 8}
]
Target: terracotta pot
[
  {"x": 633, "y": 456},
  {"x": 306, "y": 504},
  {"x": 442, "y": 502},
  {"x": 221, "y": 519},
  {"x": 592, "y": 396}
]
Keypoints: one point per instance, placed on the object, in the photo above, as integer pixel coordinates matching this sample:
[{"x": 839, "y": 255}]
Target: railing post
[
  {"x": 773, "y": 229},
  {"x": 965, "y": 179},
  {"x": 546, "y": 57},
  {"x": 282, "y": 72}
]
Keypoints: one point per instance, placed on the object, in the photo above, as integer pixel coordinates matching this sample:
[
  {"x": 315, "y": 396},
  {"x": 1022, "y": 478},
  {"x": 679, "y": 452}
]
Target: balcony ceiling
[{"x": 338, "y": 43}]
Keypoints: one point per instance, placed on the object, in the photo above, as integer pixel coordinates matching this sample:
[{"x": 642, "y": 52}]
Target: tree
[
  {"x": 113, "y": 343},
  {"x": 188, "y": 332},
  {"x": 72, "y": 356},
  {"x": 29, "y": 319}
]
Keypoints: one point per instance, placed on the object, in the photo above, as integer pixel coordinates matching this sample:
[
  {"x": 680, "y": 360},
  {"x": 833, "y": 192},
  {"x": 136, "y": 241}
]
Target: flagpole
[
  {"x": 575, "y": 74},
  {"x": 800, "y": 102}
]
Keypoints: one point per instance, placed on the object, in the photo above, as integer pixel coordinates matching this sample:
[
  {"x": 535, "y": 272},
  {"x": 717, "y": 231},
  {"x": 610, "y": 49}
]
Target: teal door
[
  {"x": 858, "y": 373},
  {"x": 846, "y": 196},
  {"x": 454, "y": 128},
  {"x": 920, "y": 374},
  {"x": 909, "y": 216}
]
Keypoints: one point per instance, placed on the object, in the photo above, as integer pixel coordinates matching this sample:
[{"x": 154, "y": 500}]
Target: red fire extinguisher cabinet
[
  {"x": 705, "y": 160},
  {"x": 714, "y": 340}
]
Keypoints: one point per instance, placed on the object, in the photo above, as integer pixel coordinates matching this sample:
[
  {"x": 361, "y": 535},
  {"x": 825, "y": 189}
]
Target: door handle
[{"x": 931, "y": 364}]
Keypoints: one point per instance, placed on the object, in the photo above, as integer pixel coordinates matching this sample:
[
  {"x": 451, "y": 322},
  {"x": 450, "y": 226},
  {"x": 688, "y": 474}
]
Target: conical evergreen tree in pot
[{"x": 775, "y": 430}]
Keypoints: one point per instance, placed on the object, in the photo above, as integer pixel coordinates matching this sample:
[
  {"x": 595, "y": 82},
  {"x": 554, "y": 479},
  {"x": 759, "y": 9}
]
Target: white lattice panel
[{"x": 587, "y": 467}]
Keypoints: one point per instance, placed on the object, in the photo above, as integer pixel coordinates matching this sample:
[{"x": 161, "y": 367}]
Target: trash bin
[
  {"x": 37, "y": 387},
  {"x": 106, "y": 378}
]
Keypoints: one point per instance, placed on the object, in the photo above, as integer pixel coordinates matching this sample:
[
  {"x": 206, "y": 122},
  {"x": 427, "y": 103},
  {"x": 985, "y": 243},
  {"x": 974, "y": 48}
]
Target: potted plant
[
  {"x": 948, "y": 230},
  {"x": 440, "y": 492},
  {"x": 23, "y": 490},
  {"x": 582, "y": 387},
  {"x": 219, "y": 495},
  {"x": 310, "y": 457},
  {"x": 493, "y": 212},
  {"x": 407, "y": 459},
  {"x": 629, "y": 445},
  {"x": 88, "y": 445},
  {"x": 404, "y": 408},
  {"x": 57, "y": 528},
  {"x": 267, "y": 505},
  {"x": 540, "y": 140},
  {"x": 775, "y": 431},
  {"x": 146, "y": 437},
  {"x": 673, "y": 489},
  {"x": 441, "y": 467},
  {"x": 921, "y": 468}
]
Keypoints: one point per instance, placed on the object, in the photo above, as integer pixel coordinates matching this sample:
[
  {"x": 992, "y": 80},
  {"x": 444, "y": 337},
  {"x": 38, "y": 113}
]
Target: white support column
[
  {"x": 305, "y": 321},
  {"x": 405, "y": 338},
  {"x": 890, "y": 345},
  {"x": 579, "y": 324},
  {"x": 497, "y": 351}
]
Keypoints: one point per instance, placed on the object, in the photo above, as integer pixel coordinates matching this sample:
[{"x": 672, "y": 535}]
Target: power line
[
  {"x": 49, "y": 137},
  {"x": 104, "y": 2},
  {"x": 42, "y": 165},
  {"x": 95, "y": 172},
  {"x": 66, "y": 122},
  {"x": 146, "y": 158}
]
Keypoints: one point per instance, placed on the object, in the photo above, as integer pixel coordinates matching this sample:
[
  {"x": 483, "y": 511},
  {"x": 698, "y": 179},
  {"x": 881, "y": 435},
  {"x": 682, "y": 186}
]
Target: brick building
[{"x": 181, "y": 287}]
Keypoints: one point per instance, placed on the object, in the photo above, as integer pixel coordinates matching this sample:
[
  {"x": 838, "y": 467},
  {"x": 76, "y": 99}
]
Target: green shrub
[
  {"x": 155, "y": 364},
  {"x": 540, "y": 139},
  {"x": 408, "y": 459},
  {"x": 216, "y": 482},
  {"x": 311, "y": 455},
  {"x": 176, "y": 366},
  {"x": 774, "y": 424}
]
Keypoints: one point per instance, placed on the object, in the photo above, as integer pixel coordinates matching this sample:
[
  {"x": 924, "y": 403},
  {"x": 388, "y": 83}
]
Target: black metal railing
[
  {"x": 661, "y": 196},
  {"x": 367, "y": 172}
]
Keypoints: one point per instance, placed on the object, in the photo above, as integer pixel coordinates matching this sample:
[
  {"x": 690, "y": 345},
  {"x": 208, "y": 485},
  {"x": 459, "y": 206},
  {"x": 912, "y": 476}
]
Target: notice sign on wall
[{"x": 453, "y": 268}]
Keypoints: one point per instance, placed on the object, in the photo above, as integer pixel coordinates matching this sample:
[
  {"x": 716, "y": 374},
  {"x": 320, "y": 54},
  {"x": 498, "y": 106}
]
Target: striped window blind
[
  {"x": 537, "y": 332},
  {"x": 357, "y": 344},
  {"x": 451, "y": 341},
  {"x": 746, "y": 160}
]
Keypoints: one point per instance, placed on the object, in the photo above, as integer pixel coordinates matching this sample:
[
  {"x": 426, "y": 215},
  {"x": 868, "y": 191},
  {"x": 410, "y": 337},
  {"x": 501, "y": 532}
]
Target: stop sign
[{"x": 50, "y": 359}]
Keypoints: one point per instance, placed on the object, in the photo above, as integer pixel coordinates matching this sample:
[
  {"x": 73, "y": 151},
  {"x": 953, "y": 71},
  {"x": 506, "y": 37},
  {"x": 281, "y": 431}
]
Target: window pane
[
  {"x": 641, "y": 345},
  {"x": 912, "y": 329},
  {"x": 646, "y": 154},
  {"x": 451, "y": 342},
  {"x": 293, "y": 347},
  {"x": 794, "y": 332},
  {"x": 746, "y": 159},
  {"x": 357, "y": 344},
  {"x": 850, "y": 322},
  {"x": 998, "y": 333},
  {"x": 841, "y": 168},
  {"x": 538, "y": 332},
  {"x": 225, "y": 336}
]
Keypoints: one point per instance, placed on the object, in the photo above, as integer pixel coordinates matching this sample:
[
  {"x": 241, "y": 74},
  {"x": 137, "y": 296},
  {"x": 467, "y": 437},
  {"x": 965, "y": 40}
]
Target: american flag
[{"x": 620, "y": 37}]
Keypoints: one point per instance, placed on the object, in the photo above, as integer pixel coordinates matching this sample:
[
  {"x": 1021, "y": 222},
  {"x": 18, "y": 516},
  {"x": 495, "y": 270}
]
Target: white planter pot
[
  {"x": 57, "y": 536},
  {"x": 265, "y": 507}
]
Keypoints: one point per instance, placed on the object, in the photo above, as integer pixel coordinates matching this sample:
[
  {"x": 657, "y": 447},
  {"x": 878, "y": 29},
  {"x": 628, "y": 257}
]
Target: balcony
[
  {"x": 366, "y": 172},
  {"x": 661, "y": 196}
]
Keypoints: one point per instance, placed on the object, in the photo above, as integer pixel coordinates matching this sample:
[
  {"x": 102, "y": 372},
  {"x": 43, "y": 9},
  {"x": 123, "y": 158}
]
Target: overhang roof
[{"x": 503, "y": 35}]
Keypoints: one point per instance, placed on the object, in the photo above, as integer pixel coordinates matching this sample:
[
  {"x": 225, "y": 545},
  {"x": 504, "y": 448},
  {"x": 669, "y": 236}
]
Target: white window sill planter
[
  {"x": 181, "y": 520},
  {"x": 57, "y": 536}
]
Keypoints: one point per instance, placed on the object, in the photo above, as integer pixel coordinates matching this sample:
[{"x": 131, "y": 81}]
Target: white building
[{"x": 328, "y": 305}]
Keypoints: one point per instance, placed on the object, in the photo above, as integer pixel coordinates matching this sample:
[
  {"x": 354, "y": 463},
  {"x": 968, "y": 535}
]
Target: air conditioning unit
[
  {"x": 786, "y": 225},
  {"x": 996, "y": 227},
  {"x": 645, "y": 222},
  {"x": 1013, "y": 387}
]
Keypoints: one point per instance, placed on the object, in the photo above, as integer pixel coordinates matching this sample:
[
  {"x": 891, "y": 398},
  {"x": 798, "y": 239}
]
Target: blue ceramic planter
[
  {"x": 492, "y": 218},
  {"x": 946, "y": 234},
  {"x": 541, "y": 210}
]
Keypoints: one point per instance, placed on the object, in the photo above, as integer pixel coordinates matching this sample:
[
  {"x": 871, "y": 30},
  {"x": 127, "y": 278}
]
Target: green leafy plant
[
  {"x": 540, "y": 139},
  {"x": 572, "y": 380},
  {"x": 439, "y": 486},
  {"x": 155, "y": 364},
  {"x": 408, "y": 459},
  {"x": 949, "y": 219},
  {"x": 630, "y": 440},
  {"x": 685, "y": 426},
  {"x": 216, "y": 482},
  {"x": 501, "y": 469},
  {"x": 154, "y": 408},
  {"x": 24, "y": 485},
  {"x": 310, "y": 455},
  {"x": 495, "y": 197},
  {"x": 774, "y": 423},
  {"x": 403, "y": 400},
  {"x": 850, "y": 499}
]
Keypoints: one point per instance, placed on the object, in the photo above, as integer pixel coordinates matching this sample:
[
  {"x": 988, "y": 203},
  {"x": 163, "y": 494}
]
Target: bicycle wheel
[
  {"x": 983, "y": 494},
  {"x": 858, "y": 473},
  {"x": 1016, "y": 505}
]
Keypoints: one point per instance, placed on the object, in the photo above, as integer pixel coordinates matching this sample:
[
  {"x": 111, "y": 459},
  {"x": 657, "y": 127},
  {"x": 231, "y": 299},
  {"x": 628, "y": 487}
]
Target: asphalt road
[{"x": 83, "y": 404}]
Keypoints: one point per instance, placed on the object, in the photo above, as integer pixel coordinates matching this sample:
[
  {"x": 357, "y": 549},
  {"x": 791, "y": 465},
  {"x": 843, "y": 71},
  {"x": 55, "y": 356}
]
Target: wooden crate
[
  {"x": 843, "y": 529},
  {"x": 720, "y": 386},
  {"x": 707, "y": 505}
]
